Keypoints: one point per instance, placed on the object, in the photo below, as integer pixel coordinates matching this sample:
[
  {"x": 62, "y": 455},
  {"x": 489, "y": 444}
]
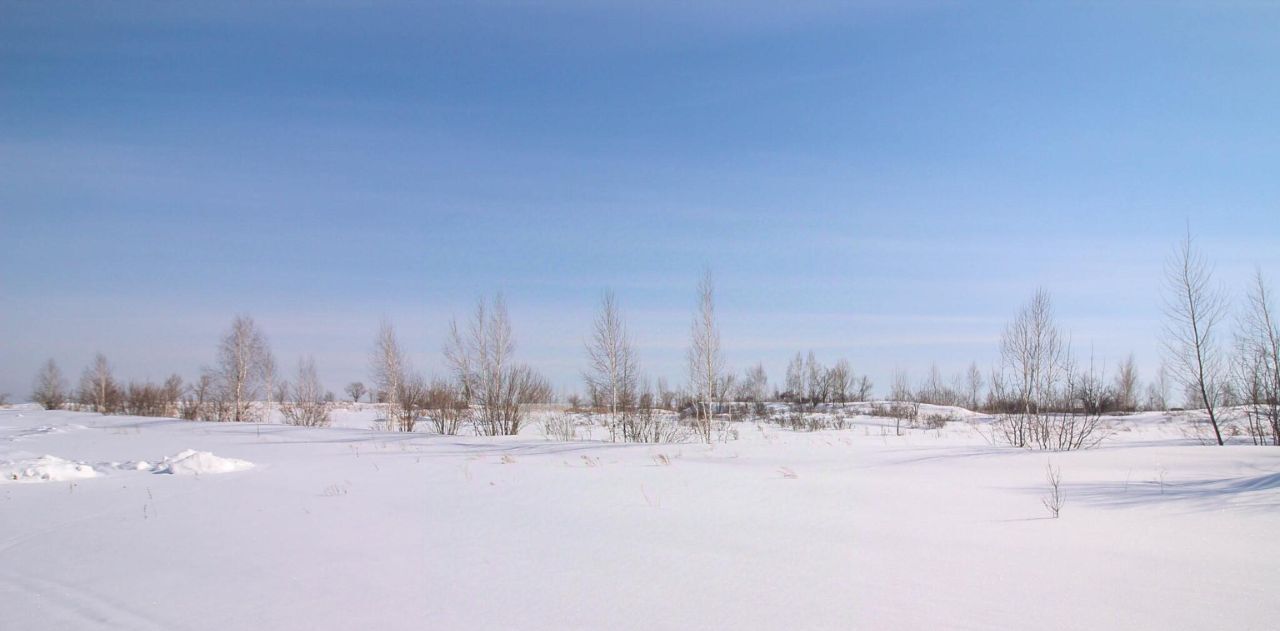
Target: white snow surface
[
  {"x": 192, "y": 462},
  {"x": 45, "y": 469},
  {"x": 859, "y": 528}
]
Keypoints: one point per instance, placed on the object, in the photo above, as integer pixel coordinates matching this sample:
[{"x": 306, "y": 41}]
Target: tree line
[{"x": 1041, "y": 393}]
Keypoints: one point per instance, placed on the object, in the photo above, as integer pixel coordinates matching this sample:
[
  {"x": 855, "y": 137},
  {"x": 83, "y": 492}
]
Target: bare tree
[
  {"x": 50, "y": 388},
  {"x": 863, "y": 389},
  {"x": 755, "y": 386},
  {"x": 410, "y": 402},
  {"x": 243, "y": 361},
  {"x": 486, "y": 375},
  {"x": 665, "y": 396},
  {"x": 171, "y": 393},
  {"x": 305, "y": 404},
  {"x": 973, "y": 385},
  {"x": 1038, "y": 362},
  {"x": 1054, "y": 501},
  {"x": 98, "y": 388},
  {"x": 1126, "y": 385},
  {"x": 355, "y": 390},
  {"x": 817, "y": 385},
  {"x": 795, "y": 379},
  {"x": 839, "y": 381},
  {"x": 389, "y": 368},
  {"x": 277, "y": 390},
  {"x": 1158, "y": 390},
  {"x": 612, "y": 368},
  {"x": 933, "y": 391},
  {"x": 1194, "y": 307},
  {"x": 901, "y": 388},
  {"x": 195, "y": 401},
  {"x": 1257, "y": 367},
  {"x": 706, "y": 365}
]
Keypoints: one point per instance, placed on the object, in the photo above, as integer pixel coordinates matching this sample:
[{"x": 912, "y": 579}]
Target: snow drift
[
  {"x": 192, "y": 462},
  {"x": 47, "y": 469}
]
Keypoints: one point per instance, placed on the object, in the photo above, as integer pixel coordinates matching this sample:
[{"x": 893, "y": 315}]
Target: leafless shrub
[
  {"x": 899, "y": 411},
  {"x": 1054, "y": 500},
  {"x": 446, "y": 408},
  {"x": 936, "y": 420},
  {"x": 560, "y": 427},
  {"x": 411, "y": 402},
  {"x": 145, "y": 399},
  {"x": 647, "y": 423}
]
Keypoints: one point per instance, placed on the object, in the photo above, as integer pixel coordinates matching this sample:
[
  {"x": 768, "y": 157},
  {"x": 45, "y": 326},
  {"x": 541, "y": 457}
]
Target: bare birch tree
[
  {"x": 612, "y": 367},
  {"x": 243, "y": 360},
  {"x": 900, "y": 389},
  {"x": 389, "y": 369},
  {"x": 706, "y": 365},
  {"x": 1038, "y": 364},
  {"x": 755, "y": 384},
  {"x": 973, "y": 385},
  {"x": 1125, "y": 385},
  {"x": 795, "y": 378},
  {"x": 273, "y": 387},
  {"x": 1257, "y": 368},
  {"x": 1158, "y": 390},
  {"x": 817, "y": 385},
  {"x": 1194, "y": 307},
  {"x": 98, "y": 388},
  {"x": 840, "y": 380},
  {"x": 481, "y": 359}
]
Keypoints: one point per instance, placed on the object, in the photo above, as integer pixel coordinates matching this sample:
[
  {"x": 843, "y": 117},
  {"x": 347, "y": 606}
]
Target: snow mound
[
  {"x": 46, "y": 469},
  {"x": 192, "y": 462}
]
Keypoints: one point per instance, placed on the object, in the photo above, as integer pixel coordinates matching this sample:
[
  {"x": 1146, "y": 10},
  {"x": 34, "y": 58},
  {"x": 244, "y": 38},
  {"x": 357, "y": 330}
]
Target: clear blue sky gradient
[{"x": 886, "y": 182}]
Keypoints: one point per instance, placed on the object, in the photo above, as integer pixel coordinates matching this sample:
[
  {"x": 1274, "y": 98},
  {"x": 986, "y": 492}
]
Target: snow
[
  {"x": 856, "y": 528},
  {"x": 192, "y": 462},
  {"x": 46, "y": 469}
]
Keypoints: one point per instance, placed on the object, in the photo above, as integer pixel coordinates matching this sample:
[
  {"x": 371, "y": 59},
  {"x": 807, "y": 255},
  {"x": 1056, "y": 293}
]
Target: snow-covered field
[{"x": 131, "y": 523}]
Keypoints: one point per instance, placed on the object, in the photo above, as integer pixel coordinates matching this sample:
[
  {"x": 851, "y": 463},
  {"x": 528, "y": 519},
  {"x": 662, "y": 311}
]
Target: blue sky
[{"x": 886, "y": 182}]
